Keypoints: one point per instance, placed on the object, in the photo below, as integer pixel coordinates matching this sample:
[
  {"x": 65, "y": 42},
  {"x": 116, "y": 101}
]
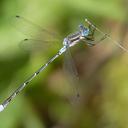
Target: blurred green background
[{"x": 102, "y": 69}]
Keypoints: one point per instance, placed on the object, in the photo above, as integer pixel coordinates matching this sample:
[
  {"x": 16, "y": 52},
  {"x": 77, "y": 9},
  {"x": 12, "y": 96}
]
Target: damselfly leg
[
  {"x": 123, "y": 46},
  {"x": 93, "y": 39}
]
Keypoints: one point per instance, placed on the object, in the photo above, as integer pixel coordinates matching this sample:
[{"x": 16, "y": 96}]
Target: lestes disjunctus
[{"x": 84, "y": 34}]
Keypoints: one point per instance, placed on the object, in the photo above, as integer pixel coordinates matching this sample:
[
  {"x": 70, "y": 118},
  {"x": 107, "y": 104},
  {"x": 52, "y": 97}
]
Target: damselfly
[{"x": 84, "y": 34}]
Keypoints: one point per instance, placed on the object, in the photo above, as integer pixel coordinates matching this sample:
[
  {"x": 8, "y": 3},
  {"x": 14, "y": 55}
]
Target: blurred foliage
[{"x": 102, "y": 69}]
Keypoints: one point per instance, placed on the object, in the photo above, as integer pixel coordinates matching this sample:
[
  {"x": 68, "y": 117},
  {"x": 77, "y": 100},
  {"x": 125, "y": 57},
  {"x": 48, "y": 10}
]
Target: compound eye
[{"x": 85, "y": 32}]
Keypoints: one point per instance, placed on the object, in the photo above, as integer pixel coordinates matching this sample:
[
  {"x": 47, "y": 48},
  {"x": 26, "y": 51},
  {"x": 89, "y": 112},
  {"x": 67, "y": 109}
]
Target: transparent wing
[
  {"x": 100, "y": 35},
  {"x": 33, "y": 45},
  {"x": 38, "y": 38},
  {"x": 33, "y": 30},
  {"x": 72, "y": 74}
]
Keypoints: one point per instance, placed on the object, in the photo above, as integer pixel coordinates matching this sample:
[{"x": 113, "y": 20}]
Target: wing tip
[
  {"x": 26, "y": 39},
  {"x": 17, "y": 16}
]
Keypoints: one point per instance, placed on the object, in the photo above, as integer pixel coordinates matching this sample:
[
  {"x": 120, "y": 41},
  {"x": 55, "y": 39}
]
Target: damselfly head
[{"x": 84, "y": 30}]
